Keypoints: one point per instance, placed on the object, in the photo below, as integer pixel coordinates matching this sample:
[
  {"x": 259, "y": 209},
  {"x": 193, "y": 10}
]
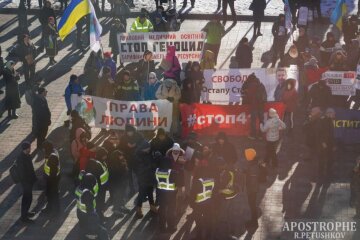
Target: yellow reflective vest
[
  {"x": 229, "y": 192},
  {"x": 163, "y": 180},
  {"x": 137, "y": 26},
  {"x": 47, "y": 168},
  {"x": 208, "y": 186}
]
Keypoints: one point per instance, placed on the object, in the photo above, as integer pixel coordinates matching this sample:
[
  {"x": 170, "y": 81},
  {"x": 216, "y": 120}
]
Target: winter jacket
[
  {"x": 169, "y": 90},
  {"x": 112, "y": 65},
  {"x": 313, "y": 74},
  {"x": 118, "y": 171},
  {"x": 128, "y": 151},
  {"x": 244, "y": 56},
  {"x": 144, "y": 168},
  {"x": 44, "y": 15},
  {"x": 26, "y": 169},
  {"x": 175, "y": 69},
  {"x": 279, "y": 31},
  {"x": 41, "y": 112},
  {"x": 114, "y": 31},
  {"x": 320, "y": 95},
  {"x": 290, "y": 98},
  {"x": 137, "y": 26},
  {"x": 162, "y": 146},
  {"x": 127, "y": 91},
  {"x": 227, "y": 151},
  {"x": 50, "y": 40},
  {"x": 150, "y": 90},
  {"x": 105, "y": 87},
  {"x": 254, "y": 95},
  {"x": 252, "y": 173},
  {"x": 76, "y": 145},
  {"x": 143, "y": 70},
  {"x": 84, "y": 156},
  {"x": 24, "y": 50},
  {"x": 177, "y": 166},
  {"x": 12, "y": 94},
  {"x": 214, "y": 32},
  {"x": 302, "y": 43},
  {"x": 272, "y": 128},
  {"x": 326, "y": 50},
  {"x": 72, "y": 88}
]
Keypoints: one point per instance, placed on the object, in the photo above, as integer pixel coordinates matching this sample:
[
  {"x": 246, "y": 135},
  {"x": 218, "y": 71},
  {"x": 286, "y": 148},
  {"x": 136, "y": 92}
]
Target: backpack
[{"x": 14, "y": 173}]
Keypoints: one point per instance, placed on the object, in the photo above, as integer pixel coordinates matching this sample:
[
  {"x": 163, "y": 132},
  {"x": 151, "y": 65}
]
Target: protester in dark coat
[
  {"x": 144, "y": 67},
  {"x": 109, "y": 62},
  {"x": 116, "y": 28},
  {"x": 161, "y": 142},
  {"x": 128, "y": 144},
  {"x": 244, "y": 55},
  {"x": 91, "y": 71},
  {"x": 27, "y": 179},
  {"x": 320, "y": 95},
  {"x": 258, "y": 8},
  {"x": 291, "y": 57},
  {"x": 350, "y": 29},
  {"x": 76, "y": 123},
  {"x": 12, "y": 95},
  {"x": 353, "y": 54},
  {"x": 224, "y": 148},
  {"x": 106, "y": 85},
  {"x": 151, "y": 87},
  {"x": 50, "y": 37},
  {"x": 27, "y": 53},
  {"x": 126, "y": 88},
  {"x": 41, "y": 116},
  {"x": 327, "y": 48},
  {"x": 302, "y": 42},
  {"x": 255, "y": 95},
  {"x": 46, "y": 12},
  {"x": 118, "y": 176},
  {"x": 192, "y": 85},
  {"x": 290, "y": 98},
  {"x": 279, "y": 32},
  {"x": 158, "y": 19},
  {"x": 145, "y": 174}
]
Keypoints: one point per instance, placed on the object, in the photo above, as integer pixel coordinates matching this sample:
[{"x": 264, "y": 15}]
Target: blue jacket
[
  {"x": 150, "y": 91},
  {"x": 112, "y": 65},
  {"x": 72, "y": 88}
]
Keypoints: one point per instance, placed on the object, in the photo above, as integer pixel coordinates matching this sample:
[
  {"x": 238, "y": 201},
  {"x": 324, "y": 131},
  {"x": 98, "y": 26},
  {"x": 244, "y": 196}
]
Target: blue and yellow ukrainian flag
[
  {"x": 338, "y": 13},
  {"x": 72, "y": 14}
]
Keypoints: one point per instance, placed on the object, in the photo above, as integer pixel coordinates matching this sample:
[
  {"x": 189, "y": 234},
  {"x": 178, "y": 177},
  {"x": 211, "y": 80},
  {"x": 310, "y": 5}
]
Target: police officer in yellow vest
[
  {"x": 99, "y": 169},
  {"x": 201, "y": 196},
  {"x": 87, "y": 181},
  {"x": 226, "y": 201},
  {"x": 142, "y": 24},
  {"x": 89, "y": 220},
  {"x": 52, "y": 177},
  {"x": 252, "y": 185},
  {"x": 166, "y": 179}
]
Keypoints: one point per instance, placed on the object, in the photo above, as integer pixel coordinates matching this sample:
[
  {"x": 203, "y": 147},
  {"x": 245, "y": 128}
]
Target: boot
[
  {"x": 139, "y": 213},
  {"x": 9, "y": 113},
  {"x": 153, "y": 209},
  {"x": 14, "y": 115}
]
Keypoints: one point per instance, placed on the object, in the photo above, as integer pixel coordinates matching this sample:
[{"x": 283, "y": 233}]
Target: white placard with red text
[{"x": 188, "y": 45}]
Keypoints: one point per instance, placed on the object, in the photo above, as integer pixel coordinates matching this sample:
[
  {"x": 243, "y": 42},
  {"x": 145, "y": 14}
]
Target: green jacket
[{"x": 215, "y": 31}]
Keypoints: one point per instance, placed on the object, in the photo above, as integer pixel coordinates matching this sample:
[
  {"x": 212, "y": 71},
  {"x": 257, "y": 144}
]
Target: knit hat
[
  {"x": 107, "y": 54},
  {"x": 25, "y": 145},
  {"x": 160, "y": 131},
  {"x": 221, "y": 135},
  {"x": 176, "y": 147},
  {"x": 130, "y": 128},
  {"x": 272, "y": 113},
  {"x": 250, "y": 154}
]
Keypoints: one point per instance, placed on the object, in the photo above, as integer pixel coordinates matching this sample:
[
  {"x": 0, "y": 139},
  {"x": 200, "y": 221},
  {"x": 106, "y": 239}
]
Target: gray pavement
[{"x": 290, "y": 194}]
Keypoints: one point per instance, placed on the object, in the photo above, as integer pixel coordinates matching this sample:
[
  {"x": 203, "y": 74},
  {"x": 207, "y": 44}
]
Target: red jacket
[
  {"x": 289, "y": 98},
  {"x": 85, "y": 155},
  {"x": 313, "y": 75}
]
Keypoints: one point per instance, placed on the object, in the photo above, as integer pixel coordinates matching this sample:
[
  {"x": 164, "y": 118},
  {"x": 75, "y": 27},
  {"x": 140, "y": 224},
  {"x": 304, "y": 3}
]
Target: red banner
[{"x": 207, "y": 119}]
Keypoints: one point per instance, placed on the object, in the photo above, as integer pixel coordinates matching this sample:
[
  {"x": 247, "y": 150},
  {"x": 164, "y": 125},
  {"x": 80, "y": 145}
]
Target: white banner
[
  {"x": 113, "y": 114},
  {"x": 341, "y": 83},
  {"x": 224, "y": 86},
  {"x": 188, "y": 45}
]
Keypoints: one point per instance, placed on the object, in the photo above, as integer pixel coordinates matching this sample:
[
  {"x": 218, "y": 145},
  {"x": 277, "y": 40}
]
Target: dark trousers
[
  {"x": 79, "y": 43},
  {"x": 41, "y": 135},
  {"x": 185, "y": 2},
  {"x": 167, "y": 208},
  {"x": 254, "y": 115},
  {"x": 289, "y": 117},
  {"x": 324, "y": 162},
  {"x": 26, "y": 199},
  {"x": 28, "y": 2},
  {"x": 270, "y": 155},
  {"x": 251, "y": 195},
  {"x": 29, "y": 73},
  {"x": 145, "y": 191},
  {"x": 118, "y": 193},
  {"x": 316, "y": 4},
  {"x": 52, "y": 194},
  {"x": 227, "y": 210},
  {"x": 40, "y": 3},
  {"x": 214, "y": 48},
  {"x": 257, "y": 26},
  {"x": 100, "y": 201},
  {"x": 202, "y": 219},
  {"x": 232, "y": 8},
  {"x": 279, "y": 49},
  {"x": 89, "y": 223}
]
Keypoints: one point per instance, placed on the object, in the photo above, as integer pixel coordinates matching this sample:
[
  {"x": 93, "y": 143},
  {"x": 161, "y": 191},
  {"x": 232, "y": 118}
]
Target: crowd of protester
[{"x": 127, "y": 163}]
